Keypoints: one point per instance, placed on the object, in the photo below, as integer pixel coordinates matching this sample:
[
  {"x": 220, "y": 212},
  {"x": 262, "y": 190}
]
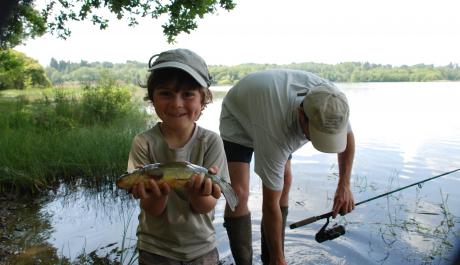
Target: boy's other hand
[
  {"x": 199, "y": 185},
  {"x": 150, "y": 189}
]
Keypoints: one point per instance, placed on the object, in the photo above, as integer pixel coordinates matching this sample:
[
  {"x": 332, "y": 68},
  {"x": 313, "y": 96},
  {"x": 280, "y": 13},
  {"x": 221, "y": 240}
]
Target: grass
[{"x": 54, "y": 134}]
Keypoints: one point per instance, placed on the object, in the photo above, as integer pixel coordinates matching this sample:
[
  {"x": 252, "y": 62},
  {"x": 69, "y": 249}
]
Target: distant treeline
[
  {"x": 60, "y": 72},
  {"x": 347, "y": 72}
]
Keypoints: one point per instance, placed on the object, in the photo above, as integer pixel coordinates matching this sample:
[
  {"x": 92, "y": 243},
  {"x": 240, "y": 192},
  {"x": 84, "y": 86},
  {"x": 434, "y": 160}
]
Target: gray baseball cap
[
  {"x": 185, "y": 60},
  {"x": 327, "y": 110}
]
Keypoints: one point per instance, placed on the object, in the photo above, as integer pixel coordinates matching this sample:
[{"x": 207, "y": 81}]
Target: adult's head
[
  {"x": 327, "y": 111},
  {"x": 181, "y": 67}
]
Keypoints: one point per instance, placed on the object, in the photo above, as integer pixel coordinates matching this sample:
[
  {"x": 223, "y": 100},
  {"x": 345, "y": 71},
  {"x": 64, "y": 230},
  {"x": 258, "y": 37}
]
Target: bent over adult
[{"x": 272, "y": 114}]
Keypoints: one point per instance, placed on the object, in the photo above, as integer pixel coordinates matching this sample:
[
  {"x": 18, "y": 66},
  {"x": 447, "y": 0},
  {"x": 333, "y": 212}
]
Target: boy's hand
[
  {"x": 216, "y": 192},
  {"x": 153, "y": 197},
  {"x": 150, "y": 190},
  {"x": 199, "y": 185}
]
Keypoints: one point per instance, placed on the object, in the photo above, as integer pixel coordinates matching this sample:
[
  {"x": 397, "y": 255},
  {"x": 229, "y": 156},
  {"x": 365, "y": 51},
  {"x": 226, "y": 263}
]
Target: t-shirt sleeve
[
  {"x": 215, "y": 155},
  {"x": 138, "y": 155}
]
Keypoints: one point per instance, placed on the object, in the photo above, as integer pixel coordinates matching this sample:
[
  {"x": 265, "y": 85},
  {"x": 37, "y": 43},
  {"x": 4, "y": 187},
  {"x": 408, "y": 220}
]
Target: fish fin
[{"x": 229, "y": 194}]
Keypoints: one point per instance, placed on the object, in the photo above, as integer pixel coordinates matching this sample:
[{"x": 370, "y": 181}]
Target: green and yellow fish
[{"x": 176, "y": 174}]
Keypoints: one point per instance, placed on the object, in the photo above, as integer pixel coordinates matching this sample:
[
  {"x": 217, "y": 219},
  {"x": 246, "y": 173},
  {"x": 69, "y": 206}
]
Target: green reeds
[{"x": 66, "y": 135}]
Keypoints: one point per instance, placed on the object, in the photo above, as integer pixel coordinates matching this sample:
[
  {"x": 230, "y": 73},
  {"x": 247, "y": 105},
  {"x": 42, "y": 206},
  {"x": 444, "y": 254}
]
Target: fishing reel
[{"x": 329, "y": 234}]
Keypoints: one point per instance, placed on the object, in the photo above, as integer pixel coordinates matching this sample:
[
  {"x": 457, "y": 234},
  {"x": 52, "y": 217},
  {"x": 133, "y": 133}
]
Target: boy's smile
[{"x": 178, "y": 108}]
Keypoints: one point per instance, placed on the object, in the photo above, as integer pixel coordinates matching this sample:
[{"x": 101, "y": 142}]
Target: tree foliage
[
  {"x": 17, "y": 71},
  {"x": 28, "y": 22},
  {"x": 133, "y": 72},
  {"x": 23, "y": 22},
  {"x": 85, "y": 73}
]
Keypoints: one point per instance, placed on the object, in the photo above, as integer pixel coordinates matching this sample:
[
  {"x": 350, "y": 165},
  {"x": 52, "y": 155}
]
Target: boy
[{"x": 176, "y": 226}]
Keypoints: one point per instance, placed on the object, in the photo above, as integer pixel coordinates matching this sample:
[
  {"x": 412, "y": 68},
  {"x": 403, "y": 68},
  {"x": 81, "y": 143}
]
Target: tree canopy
[
  {"x": 19, "y": 71},
  {"x": 26, "y": 21},
  {"x": 60, "y": 72}
]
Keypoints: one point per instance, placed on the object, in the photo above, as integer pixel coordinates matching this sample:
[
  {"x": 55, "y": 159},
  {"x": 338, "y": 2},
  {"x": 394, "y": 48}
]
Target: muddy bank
[
  {"x": 7, "y": 207},
  {"x": 23, "y": 231}
]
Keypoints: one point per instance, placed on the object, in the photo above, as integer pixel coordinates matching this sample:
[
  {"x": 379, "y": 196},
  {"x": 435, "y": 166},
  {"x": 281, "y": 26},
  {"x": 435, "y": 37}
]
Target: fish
[{"x": 176, "y": 174}]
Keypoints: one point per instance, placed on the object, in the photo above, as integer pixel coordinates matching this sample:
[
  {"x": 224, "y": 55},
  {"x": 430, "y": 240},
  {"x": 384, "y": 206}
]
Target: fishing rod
[{"x": 336, "y": 231}]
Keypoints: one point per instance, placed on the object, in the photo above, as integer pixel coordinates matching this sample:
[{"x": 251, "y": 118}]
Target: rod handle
[{"x": 309, "y": 220}]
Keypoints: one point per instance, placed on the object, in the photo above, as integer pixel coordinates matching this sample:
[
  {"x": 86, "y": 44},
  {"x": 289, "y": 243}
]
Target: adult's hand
[{"x": 343, "y": 201}]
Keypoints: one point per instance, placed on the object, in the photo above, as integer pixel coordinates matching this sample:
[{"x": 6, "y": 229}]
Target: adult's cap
[
  {"x": 183, "y": 59},
  {"x": 327, "y": 111}
]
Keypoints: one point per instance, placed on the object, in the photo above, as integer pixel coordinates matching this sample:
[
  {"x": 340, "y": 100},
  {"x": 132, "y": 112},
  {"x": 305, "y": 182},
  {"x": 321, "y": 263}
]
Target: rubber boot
[
  {"x": 240, "y": 236},
  {"x": 264, "y": 247}
]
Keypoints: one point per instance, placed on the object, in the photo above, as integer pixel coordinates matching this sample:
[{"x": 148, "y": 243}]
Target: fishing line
[{"x": 330, "y": 234}]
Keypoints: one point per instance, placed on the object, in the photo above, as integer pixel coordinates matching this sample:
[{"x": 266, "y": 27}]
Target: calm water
[{"x": 405, "y": 132}]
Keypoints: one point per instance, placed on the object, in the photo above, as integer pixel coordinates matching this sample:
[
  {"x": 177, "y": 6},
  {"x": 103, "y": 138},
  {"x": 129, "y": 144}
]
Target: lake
[{"x": 405, "y": 132}]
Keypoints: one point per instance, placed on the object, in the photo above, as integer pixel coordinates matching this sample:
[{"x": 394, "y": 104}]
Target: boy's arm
[{"x": 138, "y": 154}]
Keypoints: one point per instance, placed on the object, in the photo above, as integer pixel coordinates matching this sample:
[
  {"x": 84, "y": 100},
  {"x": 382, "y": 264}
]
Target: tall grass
[{"x": 67, "y": 134}]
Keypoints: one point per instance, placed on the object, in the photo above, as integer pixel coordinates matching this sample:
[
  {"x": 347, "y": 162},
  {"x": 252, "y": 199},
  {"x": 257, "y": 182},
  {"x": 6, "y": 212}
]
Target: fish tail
[{"x": 229, "y": 193}]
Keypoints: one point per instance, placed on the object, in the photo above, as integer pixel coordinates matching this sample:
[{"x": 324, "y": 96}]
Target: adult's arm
[{"x": 343, "y": 200}]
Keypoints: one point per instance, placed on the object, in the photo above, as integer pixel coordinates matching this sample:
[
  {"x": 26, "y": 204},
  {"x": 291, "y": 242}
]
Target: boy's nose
[{"x": 178, "y": 101}]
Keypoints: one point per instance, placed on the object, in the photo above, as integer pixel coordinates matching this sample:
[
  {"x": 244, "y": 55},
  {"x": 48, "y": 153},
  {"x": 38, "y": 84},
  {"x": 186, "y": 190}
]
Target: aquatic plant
[{"x": 57, "y": 136}]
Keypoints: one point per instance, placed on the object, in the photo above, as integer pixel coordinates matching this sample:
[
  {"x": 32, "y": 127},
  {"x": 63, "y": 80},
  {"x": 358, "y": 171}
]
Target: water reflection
[{"x": 90, "y": 219}]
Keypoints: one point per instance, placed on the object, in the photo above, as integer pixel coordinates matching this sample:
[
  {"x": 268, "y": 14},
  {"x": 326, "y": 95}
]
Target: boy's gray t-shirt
[
  {"x": 260, "y": 112},
  {"x": 178, "y": 233}
]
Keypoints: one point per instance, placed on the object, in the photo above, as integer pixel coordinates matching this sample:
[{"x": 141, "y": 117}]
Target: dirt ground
[
  {"x": 20, "y": 232},
  {"x": 8, "y": 205}
]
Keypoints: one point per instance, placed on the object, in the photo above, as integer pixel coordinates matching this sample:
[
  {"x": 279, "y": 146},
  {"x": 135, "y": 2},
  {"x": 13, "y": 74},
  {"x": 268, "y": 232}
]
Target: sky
[{"x": 396, "y": 32}]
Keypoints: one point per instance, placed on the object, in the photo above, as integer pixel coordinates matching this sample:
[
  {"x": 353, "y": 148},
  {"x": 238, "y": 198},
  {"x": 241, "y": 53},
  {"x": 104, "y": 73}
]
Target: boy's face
[{"x": 177, "y": 108}]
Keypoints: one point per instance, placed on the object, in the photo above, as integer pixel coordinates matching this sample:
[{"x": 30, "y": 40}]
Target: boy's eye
[
  {"x": 165, "y": 93},
  {"x": 188, "y": 94},
  {"x": 185, "y": 94}
]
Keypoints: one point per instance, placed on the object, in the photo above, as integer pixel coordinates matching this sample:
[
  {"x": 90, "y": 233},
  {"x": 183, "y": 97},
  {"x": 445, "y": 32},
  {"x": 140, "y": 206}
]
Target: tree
[
  {"x": 54, "y": 63},
  {"x": 20, "y": 21},
  {"x": 18, "y": 71},
  {"x": 25, "y": 21}
]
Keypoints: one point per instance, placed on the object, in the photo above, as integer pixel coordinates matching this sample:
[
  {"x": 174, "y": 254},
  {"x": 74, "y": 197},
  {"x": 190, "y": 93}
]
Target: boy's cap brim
[
  {"x": 183, "y": 67},
  {"x": 185, "y": 60}
]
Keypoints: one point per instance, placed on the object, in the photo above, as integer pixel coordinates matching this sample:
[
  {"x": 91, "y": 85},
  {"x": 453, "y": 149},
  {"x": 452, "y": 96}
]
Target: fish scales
[{"x": 176, "y": 174}]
